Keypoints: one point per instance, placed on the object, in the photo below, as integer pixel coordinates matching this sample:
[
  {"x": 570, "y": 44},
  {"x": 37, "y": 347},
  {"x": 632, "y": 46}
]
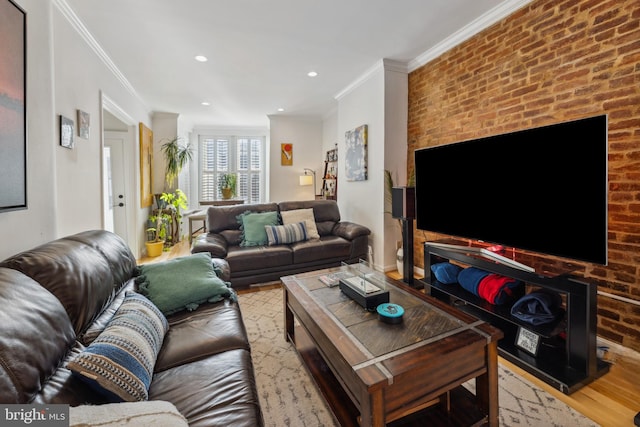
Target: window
[{"x": 241, "y": 155}]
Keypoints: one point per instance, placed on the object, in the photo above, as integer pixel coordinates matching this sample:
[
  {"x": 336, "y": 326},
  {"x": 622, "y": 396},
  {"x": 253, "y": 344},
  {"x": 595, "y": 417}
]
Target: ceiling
[{"x": 259, "y": 52}]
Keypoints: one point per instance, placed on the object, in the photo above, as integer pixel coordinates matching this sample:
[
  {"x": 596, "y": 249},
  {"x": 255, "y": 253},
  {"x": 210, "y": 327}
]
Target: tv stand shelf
[{"x": 566, "y": 363}]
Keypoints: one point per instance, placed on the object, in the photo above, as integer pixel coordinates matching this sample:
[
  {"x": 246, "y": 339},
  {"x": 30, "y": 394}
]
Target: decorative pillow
[
  {"x": 283, "y": 234},
  {"x": 157, "y": 413},
  {"x": 446, "y": 272},
  {"x": 298, "y": 215},
  {"x": 252, "y": 225},
  {"x": 119, "y": 362},
  {"x": 182, "y": 283}
]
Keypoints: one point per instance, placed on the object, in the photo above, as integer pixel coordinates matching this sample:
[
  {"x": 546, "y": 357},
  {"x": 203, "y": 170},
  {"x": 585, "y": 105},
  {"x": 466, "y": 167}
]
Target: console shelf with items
[{"x": 562, "y": 353}]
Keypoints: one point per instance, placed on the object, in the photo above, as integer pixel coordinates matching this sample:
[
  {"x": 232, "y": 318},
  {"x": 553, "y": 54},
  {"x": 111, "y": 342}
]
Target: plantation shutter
[{"x": 243, "y": 156}]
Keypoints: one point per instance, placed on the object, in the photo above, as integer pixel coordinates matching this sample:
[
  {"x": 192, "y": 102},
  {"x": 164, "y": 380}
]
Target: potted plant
[
  {"x": 157, "y": 234},
  {"x": 175, "y": 202},
  {"x": 176, "y": 156},
  {"x": 227, "y": 185}
]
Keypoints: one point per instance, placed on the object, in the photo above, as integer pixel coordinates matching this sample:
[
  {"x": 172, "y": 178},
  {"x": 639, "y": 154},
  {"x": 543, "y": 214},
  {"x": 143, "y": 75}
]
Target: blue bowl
[{"x": 390, "y": 313}]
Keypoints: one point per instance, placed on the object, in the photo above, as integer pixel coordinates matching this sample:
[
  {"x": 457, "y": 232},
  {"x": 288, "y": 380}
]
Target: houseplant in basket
[{"x": 227, "y": 185}]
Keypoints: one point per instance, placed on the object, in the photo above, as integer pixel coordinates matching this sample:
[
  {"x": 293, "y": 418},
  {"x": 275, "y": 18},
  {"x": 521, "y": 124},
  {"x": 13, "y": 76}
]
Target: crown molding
[
  {"x": 383, "y": 64},
  {"x": 496, "y": 14},
  {"x": 84, "y": 33}
]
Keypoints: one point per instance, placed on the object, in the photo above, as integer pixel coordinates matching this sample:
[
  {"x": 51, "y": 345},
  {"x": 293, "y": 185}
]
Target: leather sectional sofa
[
  {"x": 58, "y": 297},
  {"x": 339, "y": 241}
]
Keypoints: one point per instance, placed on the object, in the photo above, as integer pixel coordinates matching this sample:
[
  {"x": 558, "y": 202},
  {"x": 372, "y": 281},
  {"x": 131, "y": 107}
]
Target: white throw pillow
[
  {"x": 156, "y": 413},
  {"x": 302, "y": 215}
]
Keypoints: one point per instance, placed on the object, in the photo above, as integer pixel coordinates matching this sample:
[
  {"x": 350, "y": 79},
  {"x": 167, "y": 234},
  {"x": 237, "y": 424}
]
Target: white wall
[
  {"x": 378, "y": 100},
  {"x": 24, "y": 229},
  {"x": 306, "y": 136},
  {"x": 64, "y": 187},
  {"x": 363, "y": 201}
]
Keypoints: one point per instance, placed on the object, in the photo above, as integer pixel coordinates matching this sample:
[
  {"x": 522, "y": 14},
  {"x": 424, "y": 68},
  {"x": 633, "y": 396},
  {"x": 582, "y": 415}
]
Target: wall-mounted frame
[
  {"x": 13, "y": 107},
  {"x": 146, "y": 160},
  {"x": 67, "y": 130},
  {"x": 357, "y": 144},
  {"x": 84, "y": 124},
  {"x": 286, "y": 154}
]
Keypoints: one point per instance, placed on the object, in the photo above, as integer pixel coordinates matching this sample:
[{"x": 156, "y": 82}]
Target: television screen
[{"x": 541, "y": 189}]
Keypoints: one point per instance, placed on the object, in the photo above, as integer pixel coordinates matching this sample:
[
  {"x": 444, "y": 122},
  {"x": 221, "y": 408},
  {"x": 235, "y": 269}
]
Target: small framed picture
[
  {"x": 528, "y": 341},
  {"x": 83, "y": 124},
  {"x": 66, "y": 132}
]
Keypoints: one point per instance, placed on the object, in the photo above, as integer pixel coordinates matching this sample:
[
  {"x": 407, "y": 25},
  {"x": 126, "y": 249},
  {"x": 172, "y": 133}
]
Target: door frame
[{"x": 133, "y": 215}]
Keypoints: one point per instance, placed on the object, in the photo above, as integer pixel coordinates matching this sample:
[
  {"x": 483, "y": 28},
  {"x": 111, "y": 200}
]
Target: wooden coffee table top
[{"x": 366, "y": 342}]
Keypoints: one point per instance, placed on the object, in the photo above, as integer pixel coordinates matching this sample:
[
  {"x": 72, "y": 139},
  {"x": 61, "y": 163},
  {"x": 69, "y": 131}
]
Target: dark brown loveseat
[
  {"x": 340, "y": 241},
  {"x": 58, "y": 297}
]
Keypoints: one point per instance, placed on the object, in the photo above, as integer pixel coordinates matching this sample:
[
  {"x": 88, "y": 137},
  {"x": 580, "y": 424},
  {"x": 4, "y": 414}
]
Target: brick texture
[{"x": 551, "y": 61}]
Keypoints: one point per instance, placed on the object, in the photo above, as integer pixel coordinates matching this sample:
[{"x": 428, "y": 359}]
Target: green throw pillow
[
  {"x": 182, "y": 283},
  {"x": 252, "y": 225}
]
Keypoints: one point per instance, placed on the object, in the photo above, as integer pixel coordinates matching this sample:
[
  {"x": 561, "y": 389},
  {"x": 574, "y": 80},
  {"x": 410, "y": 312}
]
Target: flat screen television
[{"x": 542, "y": 189}]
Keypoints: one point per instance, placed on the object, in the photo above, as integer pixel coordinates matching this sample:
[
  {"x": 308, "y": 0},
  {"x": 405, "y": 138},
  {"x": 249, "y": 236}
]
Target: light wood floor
[{"x": 611, "y": 401}]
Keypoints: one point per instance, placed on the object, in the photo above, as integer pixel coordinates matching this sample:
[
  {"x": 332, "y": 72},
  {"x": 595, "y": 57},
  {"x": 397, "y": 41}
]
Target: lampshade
[{"x": 306, "y": 179}]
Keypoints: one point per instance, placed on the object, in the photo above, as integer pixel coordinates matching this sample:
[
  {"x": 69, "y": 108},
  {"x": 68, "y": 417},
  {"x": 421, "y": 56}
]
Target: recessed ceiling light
[
  {"x": 201, "y": 58},
  {"x": 312, "y": 74},
  {"x": 281, "y": 109},
  {"x": 205, "y": 103}
]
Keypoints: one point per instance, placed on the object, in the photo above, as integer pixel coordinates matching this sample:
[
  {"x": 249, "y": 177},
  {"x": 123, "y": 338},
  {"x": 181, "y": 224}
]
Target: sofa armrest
[
  {"x": 349, "y": 230},
  {"x": 213, "y": 243},
  {"x": 221, "y": 267}
]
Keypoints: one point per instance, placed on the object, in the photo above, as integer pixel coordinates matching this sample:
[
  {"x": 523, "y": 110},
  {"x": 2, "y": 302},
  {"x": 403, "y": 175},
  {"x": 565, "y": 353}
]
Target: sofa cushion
[
  {"x": 120, "y": 361},
  {"x": 253, "y": 227},
  {"x": 285, "y": 234},
  {"x": 182, "y": 283},
  {"x": 306, "y": 215},
  {"x": 36, "y": 335},
  {"x": 211, "y": 329},
  {"x": 78, "y": 274},
  {"x": 219, "y": 390},
  {"x": 326, "y": 248},
  {"x": 326, "y": 213},
  {"x": 127, "y": 414},
  {"x": 259, "y": 257}
]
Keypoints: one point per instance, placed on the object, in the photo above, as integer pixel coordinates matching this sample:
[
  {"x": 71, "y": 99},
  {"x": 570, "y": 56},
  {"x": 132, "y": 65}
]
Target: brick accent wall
[{"x": 551, "y": 61}]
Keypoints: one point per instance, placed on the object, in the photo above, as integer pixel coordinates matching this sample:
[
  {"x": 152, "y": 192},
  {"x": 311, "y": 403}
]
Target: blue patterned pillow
[
  {"x": 119, "y": 362},
  {"x": 288, "y": 233}
]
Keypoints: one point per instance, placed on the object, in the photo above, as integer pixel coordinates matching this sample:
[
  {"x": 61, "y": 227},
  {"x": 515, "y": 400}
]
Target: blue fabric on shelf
[
  {"x": 538, "y": 307},
  {"x": 446, "y": 272},
  {"x": 470, "y": 279}
]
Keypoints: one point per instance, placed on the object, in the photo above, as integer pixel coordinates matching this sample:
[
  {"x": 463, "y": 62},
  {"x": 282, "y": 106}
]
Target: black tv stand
[{"x": 567, "y": 359}]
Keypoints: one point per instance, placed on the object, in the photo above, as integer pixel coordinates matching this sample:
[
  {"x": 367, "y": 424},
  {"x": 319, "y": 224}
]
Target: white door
[{"x": 115, "y": 190}]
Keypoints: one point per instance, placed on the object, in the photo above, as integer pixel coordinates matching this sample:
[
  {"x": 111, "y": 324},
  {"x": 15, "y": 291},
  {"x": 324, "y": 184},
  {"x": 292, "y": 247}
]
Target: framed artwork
[
  {"x": 13, "y": 123},
  {"x": 286, "y": 154},
  {"x": 83, "y": 124},
  {"x": 356, "y": 154},
  {"x": 146, "y": 160},
  {"x": 66, "y": 132}
]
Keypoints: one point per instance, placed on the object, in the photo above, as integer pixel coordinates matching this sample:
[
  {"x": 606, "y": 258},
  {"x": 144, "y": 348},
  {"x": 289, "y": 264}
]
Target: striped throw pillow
[
  {"x": 283, "y": 234},
  {"x": 119, "y": 362}
]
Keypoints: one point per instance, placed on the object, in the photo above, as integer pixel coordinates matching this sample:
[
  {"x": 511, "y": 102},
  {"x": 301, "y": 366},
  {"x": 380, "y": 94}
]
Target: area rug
[{"x": 289, "y": 397}]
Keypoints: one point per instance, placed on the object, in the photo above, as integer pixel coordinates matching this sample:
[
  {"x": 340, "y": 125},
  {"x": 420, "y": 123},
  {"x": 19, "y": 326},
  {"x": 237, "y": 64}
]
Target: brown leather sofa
[
  {"x": 340, "y": 241},
  {"x": 57, "y": 297}
]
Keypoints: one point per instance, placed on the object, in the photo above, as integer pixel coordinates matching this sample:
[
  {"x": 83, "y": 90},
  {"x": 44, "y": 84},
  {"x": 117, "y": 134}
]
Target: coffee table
[{"x": 375, "y": 374}]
